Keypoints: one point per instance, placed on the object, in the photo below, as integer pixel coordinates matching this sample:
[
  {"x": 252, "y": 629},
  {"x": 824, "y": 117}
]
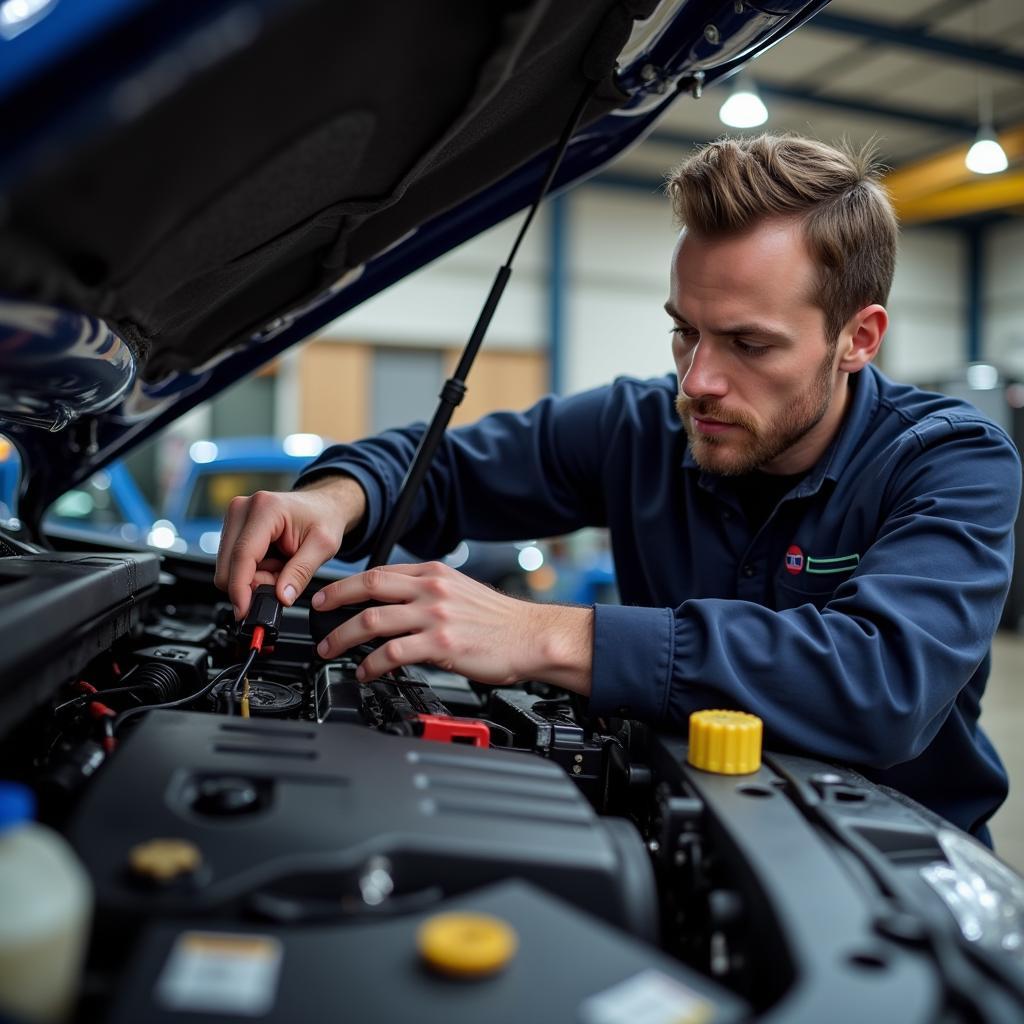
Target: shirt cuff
[{"x": 633, "y": 654}]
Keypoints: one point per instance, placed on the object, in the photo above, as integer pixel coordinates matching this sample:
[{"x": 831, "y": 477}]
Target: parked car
[
  {"x": 188, "y": 189},
  {"x": 109, "y": 504},
  {"x": 217, "y": 470}
]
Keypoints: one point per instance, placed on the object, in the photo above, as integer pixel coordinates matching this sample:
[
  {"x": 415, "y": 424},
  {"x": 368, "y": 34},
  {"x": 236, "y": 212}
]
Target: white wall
[
  {"x": 927, "y": 307},
  {"x": 619, "y": 253},
  {"x": 618, "y": 246},
  {"x": 1004, "y": 296},
  {"x": 438, "y": 305}
]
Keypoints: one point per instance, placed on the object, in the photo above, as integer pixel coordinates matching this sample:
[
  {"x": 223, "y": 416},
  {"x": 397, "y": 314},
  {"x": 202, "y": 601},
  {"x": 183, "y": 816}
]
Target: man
[{"x": 794, "y": 534}]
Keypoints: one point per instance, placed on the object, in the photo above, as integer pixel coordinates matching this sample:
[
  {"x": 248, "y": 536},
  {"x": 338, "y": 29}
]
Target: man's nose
[{"x": 704, "y": 376}]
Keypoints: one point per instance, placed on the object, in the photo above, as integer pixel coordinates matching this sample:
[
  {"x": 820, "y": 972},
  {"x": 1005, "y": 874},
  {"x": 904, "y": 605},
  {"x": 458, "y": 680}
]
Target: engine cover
[{"x": 302, "y": 810}]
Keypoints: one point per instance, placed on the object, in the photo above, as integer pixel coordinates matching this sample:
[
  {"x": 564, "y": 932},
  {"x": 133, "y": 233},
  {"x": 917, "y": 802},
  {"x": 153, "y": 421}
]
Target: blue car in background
[
  {"x": 218, "y": 470},
  {"x": 109, "y": 504}
]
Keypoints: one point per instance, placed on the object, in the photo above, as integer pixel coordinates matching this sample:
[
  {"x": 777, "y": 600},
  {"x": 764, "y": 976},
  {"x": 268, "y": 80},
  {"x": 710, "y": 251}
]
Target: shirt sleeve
[
  {"x": 509, "y": 476},
  {"x": 871, "y": 676}
]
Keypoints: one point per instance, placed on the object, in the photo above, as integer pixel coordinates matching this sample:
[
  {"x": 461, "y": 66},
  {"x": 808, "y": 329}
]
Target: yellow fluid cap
[
  {"x": 467, "y": 945},
  {"x": 725, "y": 742},
  {"x": 163, "y": 860}
]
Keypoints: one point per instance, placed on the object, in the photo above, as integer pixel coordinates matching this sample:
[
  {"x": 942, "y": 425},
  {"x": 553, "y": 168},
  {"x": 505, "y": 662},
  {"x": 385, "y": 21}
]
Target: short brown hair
[{"x": 849, "y": 224}]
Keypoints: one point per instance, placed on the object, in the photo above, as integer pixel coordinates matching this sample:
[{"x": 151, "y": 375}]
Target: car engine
[{"x": 272, "y": 843}]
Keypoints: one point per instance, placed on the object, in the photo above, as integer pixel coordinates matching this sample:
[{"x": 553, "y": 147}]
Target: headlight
[{"x": 982, "y": 893}]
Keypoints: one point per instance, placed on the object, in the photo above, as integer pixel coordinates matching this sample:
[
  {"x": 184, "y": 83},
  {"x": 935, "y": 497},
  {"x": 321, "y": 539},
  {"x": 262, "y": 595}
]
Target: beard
[{"x": 732, "y": 456}]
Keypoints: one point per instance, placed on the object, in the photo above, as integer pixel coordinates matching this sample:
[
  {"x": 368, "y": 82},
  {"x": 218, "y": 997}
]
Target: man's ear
[{"x": 861, "y": 338}]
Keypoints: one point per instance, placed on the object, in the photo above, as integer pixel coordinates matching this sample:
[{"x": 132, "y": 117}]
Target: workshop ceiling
[{"x": 905, "y": 72}]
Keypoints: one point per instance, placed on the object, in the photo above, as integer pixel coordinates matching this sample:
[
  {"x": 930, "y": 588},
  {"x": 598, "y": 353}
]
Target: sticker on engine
[
  {"x": 647, "y": 998},
  {"x": 217, "y": 972}
]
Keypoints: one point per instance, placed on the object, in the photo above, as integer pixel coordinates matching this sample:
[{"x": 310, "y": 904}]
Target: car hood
[{"x": 186, "y": 189}]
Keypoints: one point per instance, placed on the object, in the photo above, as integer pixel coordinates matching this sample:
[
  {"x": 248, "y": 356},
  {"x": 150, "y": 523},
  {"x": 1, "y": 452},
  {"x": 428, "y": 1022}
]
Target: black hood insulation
[{"x": 262, "y": 180}]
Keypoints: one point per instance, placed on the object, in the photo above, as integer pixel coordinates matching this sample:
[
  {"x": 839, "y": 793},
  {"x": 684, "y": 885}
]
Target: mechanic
[{"x": 794, "y": 534}]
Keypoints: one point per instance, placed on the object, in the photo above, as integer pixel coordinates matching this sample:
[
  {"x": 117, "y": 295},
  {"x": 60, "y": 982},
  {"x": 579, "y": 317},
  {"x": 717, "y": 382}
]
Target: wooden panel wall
[
  {"x": 501, "y": 380},
  {"x": 334, "y": 387}
]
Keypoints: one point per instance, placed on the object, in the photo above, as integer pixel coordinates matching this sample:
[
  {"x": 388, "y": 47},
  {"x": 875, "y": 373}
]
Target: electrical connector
[{"x": 260, "y": 627}]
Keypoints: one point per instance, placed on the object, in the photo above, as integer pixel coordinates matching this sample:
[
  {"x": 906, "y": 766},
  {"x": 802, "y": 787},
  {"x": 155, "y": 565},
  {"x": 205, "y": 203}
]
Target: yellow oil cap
[
  {"x": 163, "y": 860},
  {"x": 466, "y": 945},
  {"x": 725, "y": 742}
]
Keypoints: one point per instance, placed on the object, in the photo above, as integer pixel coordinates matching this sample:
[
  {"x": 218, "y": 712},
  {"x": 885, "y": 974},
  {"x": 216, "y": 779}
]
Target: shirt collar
[{"x": 863, "y": 402}]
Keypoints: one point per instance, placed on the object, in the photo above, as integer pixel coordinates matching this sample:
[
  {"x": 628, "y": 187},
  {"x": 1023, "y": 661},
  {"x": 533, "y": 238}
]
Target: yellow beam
[
  {"x": 945, "y": 170},
  {"x": 998, "y": 192}
]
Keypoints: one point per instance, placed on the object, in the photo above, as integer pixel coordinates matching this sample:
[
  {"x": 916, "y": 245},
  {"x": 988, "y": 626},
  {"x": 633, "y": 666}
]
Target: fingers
[
  {"x": 403, "y": 650},
  {"x": 379, "y": 620},
  {"x": 317, "y": 546},
  {"x": 234, "y": 520},
  {"x": 263, "y": 524},
  {"x": 387, "y": 583}
]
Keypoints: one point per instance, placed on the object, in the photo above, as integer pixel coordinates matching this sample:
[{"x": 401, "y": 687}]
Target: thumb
[{"x": 317, "y": 547}]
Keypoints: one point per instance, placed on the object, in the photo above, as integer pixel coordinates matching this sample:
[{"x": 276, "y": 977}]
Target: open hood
[{"x": 189, "y": 188}]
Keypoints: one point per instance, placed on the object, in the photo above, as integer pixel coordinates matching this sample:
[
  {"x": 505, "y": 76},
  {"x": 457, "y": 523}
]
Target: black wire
[
  {"x": 131, "y": 712},
  {"x": 86, "y": 698},
  {"x": 233, "y": 691}
]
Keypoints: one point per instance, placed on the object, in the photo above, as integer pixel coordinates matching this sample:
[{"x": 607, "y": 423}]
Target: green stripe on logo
[{"x": 842, "y": 563}]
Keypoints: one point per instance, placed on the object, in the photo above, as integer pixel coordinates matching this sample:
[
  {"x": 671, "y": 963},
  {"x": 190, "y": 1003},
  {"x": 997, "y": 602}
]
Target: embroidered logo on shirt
[
  {"x": 841, "y": 563},
  {"x": 797, "y": 562},
  {"x": 794, "y": 559}
]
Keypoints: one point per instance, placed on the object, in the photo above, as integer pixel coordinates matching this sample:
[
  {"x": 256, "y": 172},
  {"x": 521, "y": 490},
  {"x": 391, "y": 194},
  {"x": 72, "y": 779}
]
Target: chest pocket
[{"x": 793, "y": 590}]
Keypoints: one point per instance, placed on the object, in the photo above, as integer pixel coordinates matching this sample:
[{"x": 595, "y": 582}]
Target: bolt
[
  {"x": 653, "y": 845},
  {"x": 578, "y": 758},
  {"x": 697, "y": 85},
  {"x": 648, "y": 73},
  {"x": 577, "y": 770},
  {"x": 680, "y": 858},
  {"x": 711, "y": 34}
]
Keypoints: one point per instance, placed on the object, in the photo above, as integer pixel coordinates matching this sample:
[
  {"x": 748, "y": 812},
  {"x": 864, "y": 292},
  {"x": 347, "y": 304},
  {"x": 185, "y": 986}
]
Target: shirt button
[{"x": 748, "y": 570}]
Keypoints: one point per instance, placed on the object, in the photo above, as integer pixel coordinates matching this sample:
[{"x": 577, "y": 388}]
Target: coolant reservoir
[{"x": 46, "y": 898}]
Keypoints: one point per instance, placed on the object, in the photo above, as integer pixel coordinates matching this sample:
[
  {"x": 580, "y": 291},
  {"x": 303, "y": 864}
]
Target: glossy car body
[{"x": 169, "y": 227}]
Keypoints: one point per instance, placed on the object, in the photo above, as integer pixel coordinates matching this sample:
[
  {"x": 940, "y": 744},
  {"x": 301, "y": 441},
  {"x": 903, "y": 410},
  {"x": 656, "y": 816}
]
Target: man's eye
[
  {"x": 750, "y": 350},
  {"x": 683, "y": 332}
]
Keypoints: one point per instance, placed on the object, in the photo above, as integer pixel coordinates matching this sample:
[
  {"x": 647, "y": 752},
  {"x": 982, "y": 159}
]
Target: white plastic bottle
[{"x": 45, "y": 912}]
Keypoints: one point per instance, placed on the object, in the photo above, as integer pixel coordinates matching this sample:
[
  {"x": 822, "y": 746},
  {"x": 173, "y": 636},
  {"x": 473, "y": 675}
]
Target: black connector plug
[{"x": 260, "y": 627}]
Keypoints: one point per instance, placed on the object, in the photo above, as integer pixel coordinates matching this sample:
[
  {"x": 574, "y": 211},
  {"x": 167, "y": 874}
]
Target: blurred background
[{"x": 939, "y": 86}]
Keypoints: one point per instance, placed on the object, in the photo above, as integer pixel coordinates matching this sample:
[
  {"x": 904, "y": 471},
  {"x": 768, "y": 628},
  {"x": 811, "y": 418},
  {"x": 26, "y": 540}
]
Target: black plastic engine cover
[
  {"x": 330, "y": 798},
  {"x": 567, "y": 968}
]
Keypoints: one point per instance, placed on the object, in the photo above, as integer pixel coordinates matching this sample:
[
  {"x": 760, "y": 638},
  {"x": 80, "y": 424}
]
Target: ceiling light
[
  {"x": 986, "y": 156},
  {"x": 743, "y": 108}
]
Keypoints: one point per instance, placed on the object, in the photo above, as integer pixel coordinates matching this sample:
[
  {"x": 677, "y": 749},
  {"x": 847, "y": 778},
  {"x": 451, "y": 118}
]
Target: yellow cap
[
  {"x": 725, "y": 742},
  {"x": 466, "y": 945},
  {"x": 163, "y": 860}
]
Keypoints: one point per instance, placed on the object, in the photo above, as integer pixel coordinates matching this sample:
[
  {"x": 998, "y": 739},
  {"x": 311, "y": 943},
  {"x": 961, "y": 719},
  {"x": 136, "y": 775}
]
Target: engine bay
[{"x": 290, "y": 829}]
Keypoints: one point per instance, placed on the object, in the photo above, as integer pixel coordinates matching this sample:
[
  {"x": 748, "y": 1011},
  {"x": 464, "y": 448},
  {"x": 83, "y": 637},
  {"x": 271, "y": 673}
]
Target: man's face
[{"x": 758, "y": 385}]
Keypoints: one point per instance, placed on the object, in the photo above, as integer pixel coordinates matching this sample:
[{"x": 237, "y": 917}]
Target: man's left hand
[{"x": 438, "y": 616}]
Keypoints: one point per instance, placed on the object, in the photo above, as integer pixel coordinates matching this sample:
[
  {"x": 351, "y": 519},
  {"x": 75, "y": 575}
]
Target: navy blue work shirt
[{"x": 856, "y": 621}]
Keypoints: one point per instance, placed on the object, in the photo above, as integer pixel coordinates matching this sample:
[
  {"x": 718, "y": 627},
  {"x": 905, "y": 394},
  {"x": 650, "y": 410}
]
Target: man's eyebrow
[{"x": 757, "y": 330}]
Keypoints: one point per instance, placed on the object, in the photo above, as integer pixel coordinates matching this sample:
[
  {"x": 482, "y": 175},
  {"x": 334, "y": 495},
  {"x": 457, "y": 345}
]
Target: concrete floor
[{"x": 1002, "y": 717}]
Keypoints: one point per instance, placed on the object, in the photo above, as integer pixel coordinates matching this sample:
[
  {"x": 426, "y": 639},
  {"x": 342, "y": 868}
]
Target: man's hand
[
  {"x": 305, "y": 526},
  {"x": 441, "y": 617}
]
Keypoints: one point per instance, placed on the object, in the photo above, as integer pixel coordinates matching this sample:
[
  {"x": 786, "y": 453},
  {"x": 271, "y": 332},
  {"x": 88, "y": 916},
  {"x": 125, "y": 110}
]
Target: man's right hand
[{"x": 305, "y": 526}]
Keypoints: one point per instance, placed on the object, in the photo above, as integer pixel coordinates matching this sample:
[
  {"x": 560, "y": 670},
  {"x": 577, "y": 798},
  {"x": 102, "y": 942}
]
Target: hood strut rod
[{"x": 454, "y": 388}]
